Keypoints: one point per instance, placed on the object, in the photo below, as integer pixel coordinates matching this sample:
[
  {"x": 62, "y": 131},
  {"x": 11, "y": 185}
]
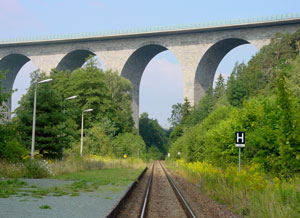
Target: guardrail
[{"x": 262, "y": 19}]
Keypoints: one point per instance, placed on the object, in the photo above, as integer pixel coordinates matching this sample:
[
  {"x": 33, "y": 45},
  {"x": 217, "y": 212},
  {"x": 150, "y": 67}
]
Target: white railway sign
[{"x": 240, "y": 139}]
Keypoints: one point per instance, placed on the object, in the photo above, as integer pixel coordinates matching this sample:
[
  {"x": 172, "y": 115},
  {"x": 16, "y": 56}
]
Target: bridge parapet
[{"x": 204, "y": 26}]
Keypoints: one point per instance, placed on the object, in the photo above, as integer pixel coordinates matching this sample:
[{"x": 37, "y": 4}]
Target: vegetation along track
[{"x": 163, "y": 198}]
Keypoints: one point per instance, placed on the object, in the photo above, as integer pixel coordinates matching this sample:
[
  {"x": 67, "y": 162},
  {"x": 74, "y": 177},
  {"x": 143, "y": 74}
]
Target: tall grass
[
  {"x": 250, "y": 193},
  {"x": 40, "y": 168},
  {"x": 75, "y": 164}
]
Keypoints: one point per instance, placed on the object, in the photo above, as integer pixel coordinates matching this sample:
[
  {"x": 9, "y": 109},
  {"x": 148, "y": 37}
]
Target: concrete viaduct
[{"x": 198, "y": 49}]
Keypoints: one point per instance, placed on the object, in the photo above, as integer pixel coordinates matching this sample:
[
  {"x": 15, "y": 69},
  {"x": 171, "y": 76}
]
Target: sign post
[{"x": 240, "y": 143}]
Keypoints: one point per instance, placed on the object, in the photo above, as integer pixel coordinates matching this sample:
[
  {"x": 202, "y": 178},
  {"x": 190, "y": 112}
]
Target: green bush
[
  {"x": 10, "y": 147},
  {"x": 154, "y": 153},
  {"x": 36, "y": 169},
  {"x": 130, "y": 144},
  {"x": 97, "y": 141},
  {"x": 13, "y": 150}
]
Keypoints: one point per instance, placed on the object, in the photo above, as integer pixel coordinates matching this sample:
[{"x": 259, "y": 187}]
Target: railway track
[
  {"x": 154, "y": 195},
  {"x": 162, "y": 197}
]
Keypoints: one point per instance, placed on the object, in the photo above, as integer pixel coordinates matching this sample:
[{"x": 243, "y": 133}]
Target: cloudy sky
[{"x": 30, "y": 18}]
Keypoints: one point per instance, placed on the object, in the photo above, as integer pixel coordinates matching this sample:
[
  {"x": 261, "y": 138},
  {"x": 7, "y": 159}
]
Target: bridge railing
[{"x": 254, "y": 20}]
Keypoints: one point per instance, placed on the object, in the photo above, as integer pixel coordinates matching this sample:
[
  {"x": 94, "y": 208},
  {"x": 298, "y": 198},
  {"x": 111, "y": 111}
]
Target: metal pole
[
  {"x": 63, "y": 129},
  {"x": 239, "y": 159},
  {"x": 33, "y": 123},
  {"x": 64, "y": 124},
  {"x": 81, "y": 144},
  {"x": 34, "y": 114}
]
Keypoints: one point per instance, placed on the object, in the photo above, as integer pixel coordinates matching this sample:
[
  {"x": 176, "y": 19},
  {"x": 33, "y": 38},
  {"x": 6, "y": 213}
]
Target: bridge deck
[{"x": 154, "y": 31}]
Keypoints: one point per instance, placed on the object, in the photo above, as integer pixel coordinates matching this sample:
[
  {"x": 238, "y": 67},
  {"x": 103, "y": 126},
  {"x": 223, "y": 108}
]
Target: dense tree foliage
[
  {"x": 154, "y": 135},
  {"x": 107, "y": 93},
  {"x": 10, "y": 143},
  {"x": 3, "y": 98},
  {"x": 10, "y": 146},
  {"x": 261, "y": 99},
  {"x": 49, "y": 117},
  {"x": 130, "y": 144}
]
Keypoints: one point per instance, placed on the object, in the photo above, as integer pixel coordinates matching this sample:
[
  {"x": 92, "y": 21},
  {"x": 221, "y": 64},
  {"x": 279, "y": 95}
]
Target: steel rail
[
  {"x": 144, "y": 206},
  {"x": 184, "y": 204}
]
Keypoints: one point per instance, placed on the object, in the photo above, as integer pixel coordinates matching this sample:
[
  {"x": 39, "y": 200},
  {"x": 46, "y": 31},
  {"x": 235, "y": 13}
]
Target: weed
[
  {"x": 251, "y": 193},
  {"x": 45, "y": 206},
  {"x": 74, "y": 194}
]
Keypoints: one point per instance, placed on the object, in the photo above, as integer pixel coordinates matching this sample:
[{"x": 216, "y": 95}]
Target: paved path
[{"x": 88, "y": 204}]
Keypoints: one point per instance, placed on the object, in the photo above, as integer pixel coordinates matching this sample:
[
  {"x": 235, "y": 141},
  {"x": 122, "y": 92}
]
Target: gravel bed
[
  {"x": 88, "y": 204},
  {"x": 201, "y": 204},
  {"x": 133, "y": 204},
  {"x": 163, "y": 201}
]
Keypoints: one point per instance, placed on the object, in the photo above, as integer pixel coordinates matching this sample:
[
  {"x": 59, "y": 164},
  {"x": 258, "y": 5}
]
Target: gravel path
[{"x": 87, "y": 204}]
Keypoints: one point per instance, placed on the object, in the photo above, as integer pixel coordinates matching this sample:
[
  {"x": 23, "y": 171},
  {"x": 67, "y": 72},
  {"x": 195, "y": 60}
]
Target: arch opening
[
  {"x": 209, "y": 63},
  {"x": 74, "y": 59},
  {"x": 21, "y": 83},
  {"x": 135, "y": 67},
  {"x": 11, "y": 65},
  {"x": 240, "y": 54}
]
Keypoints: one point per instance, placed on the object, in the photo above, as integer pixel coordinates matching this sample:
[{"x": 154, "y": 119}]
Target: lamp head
[
  {"x": 45, "y": 81},
  {"x": 88, "y": 110}
]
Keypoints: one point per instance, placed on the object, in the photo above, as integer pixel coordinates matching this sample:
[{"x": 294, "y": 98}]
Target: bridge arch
[
  {"x": 209, "y": 63},
  {"x": 11, "y": 65},
  {"x": 74, "y": 59},
  {"x": 134, "y": 68}
]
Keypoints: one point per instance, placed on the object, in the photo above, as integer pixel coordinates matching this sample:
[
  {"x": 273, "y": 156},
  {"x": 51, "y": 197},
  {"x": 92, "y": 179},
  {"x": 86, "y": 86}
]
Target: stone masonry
[{"x": 198, "y": 50}]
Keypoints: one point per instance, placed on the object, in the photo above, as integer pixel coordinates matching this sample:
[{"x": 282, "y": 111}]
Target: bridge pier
[{"x": 199, "y": 51}]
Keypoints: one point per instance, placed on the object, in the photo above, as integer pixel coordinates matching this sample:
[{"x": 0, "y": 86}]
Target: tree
[
  {"x": 120, "y": 93},
  {"x": 176, "y": 133},
  {"x": 97, "y": 142},
  {"x": 49, "y": 117},
  {"x": 106, "y": 92},
  {"x": 176, "y": 115},
  {"x": 289, "y": 141},
  {"x": 152, "y": 133},
  {"x": 185, "y": 109},
  {"x": 202, "y": 109},
  {"x": 4, "y": 96},
  {"x": 10, "y": 146},
  {"x": 293, "y": 79},
  {"x": 219, "y": 89},
  {"x": 236, "y": 89},
  {"x": 130, "y": 144}
]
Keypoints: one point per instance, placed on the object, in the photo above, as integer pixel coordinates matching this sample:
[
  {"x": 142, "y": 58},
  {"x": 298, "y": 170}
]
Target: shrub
[
  {"x": 97, "y": 141},
  {"x": 10, "y": 147},
  {"x": 36, "y": 169},
  {"x": 129, "y": 144},
  {"x": 13, "y": 150}
]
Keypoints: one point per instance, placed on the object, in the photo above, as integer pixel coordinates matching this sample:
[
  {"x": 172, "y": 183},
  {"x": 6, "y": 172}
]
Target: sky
[{"x": 162, "y": 81}]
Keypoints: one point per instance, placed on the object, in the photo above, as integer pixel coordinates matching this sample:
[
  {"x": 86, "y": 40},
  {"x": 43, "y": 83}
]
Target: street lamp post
[
  {"x": 81, "y": 144},
  {"x": 34, "y": 115},
  {"x": 63, "y": 126}
]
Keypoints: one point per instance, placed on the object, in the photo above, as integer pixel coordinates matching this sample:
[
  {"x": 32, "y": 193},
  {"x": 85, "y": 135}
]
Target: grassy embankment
[
  {"x": 250, "y": 193},
  {"x": 87, "y": 174}
]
